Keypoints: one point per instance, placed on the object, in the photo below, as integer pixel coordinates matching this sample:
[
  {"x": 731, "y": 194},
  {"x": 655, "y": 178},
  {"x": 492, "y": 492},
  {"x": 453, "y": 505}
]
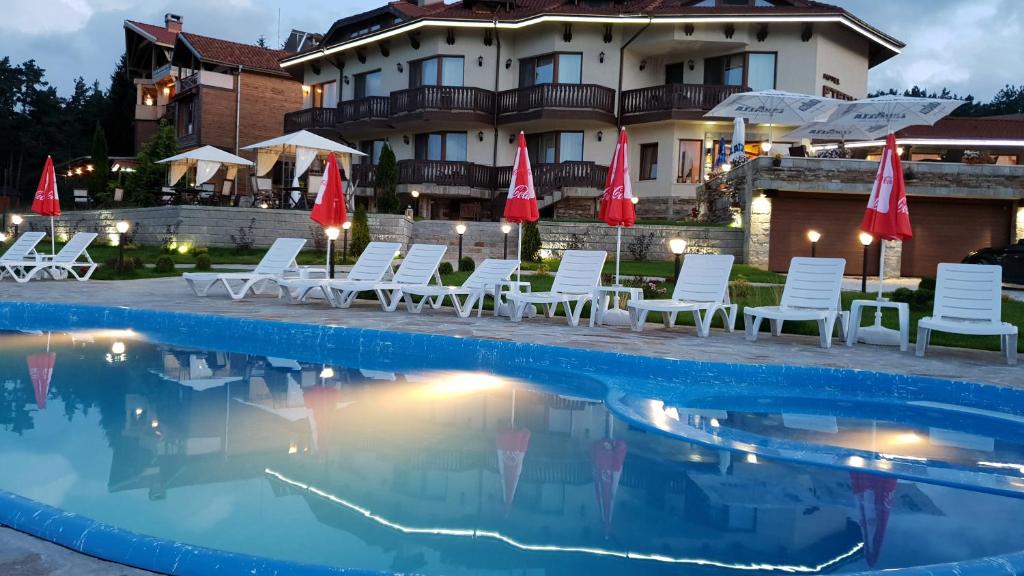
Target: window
[
  {"x": 561, "y": 68},
  {"x": 649, "y": 161},
  {"x": 690, "y": 159},
  {"x": 448, "y": 146},
  {"x": 436, "y": 71},
  {"x": 368, "y": 84},
  {"x": 761, "y": 70},
  {"x": 187, "y": 117},
  {"x": 553, "y": 147},
  {"x": 372, "y": 149},
  {"x": 324, "y": 95},
  {"x": 755, "y": 70}
]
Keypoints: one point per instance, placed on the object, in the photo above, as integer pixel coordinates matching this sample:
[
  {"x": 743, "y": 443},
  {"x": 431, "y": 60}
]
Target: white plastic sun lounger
[
  {"x": 577, "y": 276},
  {"x": 418, "y": 267},
  {"x": 373, "y": 265},
  {"x": 968, "y": 301},
  {"x": 278, "y": 261},
  {"x": 702, "y": 288},
  {"x": 487, "y": 279},
  {"x": 812, "y": 292},
  {"x": 72, "y": 257},
  {"x": 22, "y": 253}
]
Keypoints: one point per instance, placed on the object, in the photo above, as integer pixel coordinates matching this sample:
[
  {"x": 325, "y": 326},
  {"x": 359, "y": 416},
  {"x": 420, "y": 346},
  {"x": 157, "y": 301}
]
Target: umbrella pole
[
  {"x": 519, "y": 255},
  {"x": 881, "y": 275},
  {"x": 330, "y": 269},
  {"x": 53, "y": 240},
  {"x": 618, "y": 246}
]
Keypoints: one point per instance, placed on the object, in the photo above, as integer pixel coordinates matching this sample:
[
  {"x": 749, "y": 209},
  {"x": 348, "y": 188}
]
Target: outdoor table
[
  {"x": 857, "y": 310},
  {"x": 501, "y": 307},
  {"x": 602, "y": 297},
  {"x": 286, "y": 197}
]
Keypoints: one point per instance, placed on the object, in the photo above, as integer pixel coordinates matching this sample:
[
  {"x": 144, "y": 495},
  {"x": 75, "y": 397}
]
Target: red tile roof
[
  {"x": 230, "y": 53},
  {"x": 160, "y": 34},
  {"x": 969, "y": 128}
]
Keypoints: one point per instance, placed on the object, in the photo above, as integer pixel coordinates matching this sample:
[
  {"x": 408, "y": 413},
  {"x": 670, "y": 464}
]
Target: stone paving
[
  {"x": 172, "y": 294},
  {"x": 24, "y": 555}
]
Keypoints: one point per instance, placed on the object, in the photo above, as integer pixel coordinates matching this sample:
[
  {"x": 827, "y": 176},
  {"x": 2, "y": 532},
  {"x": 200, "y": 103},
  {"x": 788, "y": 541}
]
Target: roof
[
  {"x": 516, "y": 13},
  {"x": 961, "y": 128},
  {"x": 153, "y": 33},
  {"x": 217, "y": 51}
]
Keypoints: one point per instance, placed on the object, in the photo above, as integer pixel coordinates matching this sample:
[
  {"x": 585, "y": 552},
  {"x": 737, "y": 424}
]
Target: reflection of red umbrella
[
  {"x": 46, "y": 201},
  {"x": 512, "y": 446},
  {"x": 521, "y": 204},
  {"x": 322, "y": 401},
  {"x": 40, "y": 370},
  {"x": 607, "y": 458},
  {"x": 874, "y": 497}
]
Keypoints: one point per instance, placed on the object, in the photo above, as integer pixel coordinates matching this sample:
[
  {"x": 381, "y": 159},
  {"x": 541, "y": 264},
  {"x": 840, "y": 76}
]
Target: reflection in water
[{"x": 454, "y": 472}]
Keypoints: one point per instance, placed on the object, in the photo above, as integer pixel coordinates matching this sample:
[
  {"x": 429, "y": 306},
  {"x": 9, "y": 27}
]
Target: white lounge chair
[
  {"x": 373, "y": 265},
  {"x": 418, "y": 267},
  {"x": 487, "y": 279},
  {"x": 275, "y": 264},
  {"x": 812, "y": 292},
  {"x": 702, "y": 288},
  {"x": 577, "y": 276},
  {"x": 68, "y": 259},
  {"x": 22, "y": 253},
  {"x": 968, "y": 300}
]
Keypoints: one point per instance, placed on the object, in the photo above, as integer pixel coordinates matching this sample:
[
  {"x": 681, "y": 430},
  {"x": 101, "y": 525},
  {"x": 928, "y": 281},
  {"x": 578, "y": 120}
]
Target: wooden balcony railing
[
  {"x": 187, "y": 83},
  {"x": 442, "y": 98},
  {"x": 445, "y": 173},
  {"x": 567, "y": 96},
  {"x": 363, "y": 175},
  {"x": 310, "y": 118},
  {"x": 369, "y": 108},
  {"x": 671, "y": 97},
  {"x": 558, "y": 176}
]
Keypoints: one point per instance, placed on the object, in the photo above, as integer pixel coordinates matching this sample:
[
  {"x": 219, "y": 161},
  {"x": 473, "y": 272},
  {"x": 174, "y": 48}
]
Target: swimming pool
[{"x": 407, "y": 453}]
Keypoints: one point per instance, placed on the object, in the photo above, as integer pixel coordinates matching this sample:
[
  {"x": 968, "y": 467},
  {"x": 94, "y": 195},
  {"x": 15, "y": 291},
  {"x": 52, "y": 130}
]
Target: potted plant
[{"x": 777, "y": 160}]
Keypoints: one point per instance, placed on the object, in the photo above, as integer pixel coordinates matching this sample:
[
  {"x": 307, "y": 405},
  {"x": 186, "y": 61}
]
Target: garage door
[
  {"x": 946, "y": 230},
  {"x": 837, "y": 218}
]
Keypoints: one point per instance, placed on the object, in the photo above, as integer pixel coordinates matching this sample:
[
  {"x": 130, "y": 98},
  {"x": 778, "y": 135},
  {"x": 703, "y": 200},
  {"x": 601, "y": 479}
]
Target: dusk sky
[{"x": 970, "y": 46}]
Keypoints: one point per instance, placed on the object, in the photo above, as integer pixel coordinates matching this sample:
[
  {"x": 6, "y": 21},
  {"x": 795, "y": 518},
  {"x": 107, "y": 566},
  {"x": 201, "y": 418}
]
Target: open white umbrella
[
  {"x": 206, "y": 161},
  {"x": 892, "y": 112},
  {"x": 774, "y": 107},
  {"x": 306, "y": 146},
  {"x": 837, "y": 132}
]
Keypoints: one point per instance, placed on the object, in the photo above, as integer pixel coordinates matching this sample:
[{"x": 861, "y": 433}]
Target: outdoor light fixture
[
  {"x": 115, "y": 167},
  {"x": 16, "y": 220},
  {"x": 634, "y": 200},
  {"x": 332, "y": 235},
  {"x": 600, "y": 57},
  {"x": 167, "y": 90},
  {"x": 415, "y": 193},
  {"x": 89, "y": 167},
  {"x": 305, "y": 89},
  {"x": 405, "y": 138},
  {"x": 600, "y": 135},
  {"x": 752, "y": 458},
  {"x": 70, "y": 173},
  {"x": 327, "y": 372},
  {"x": 122, "y": 230},
  {"x": 678, "y": 247},
  {"x": 264, "y": 205},
  {"x": 345, "y": 79},
  {"x": 689, "y": 64},
  {"x": 865, "y": 241},
  {"x": 505, "y": 229},
  {"x": 813, "y": 236},
  {"x": 899, "y": 151},
  {"x": 460, "y": 230},
  {"x": 479, "y": 60},
  {"x": 643, "y": 65},
  {"x": 511, "y": 138},
  {"x": 766, "y": 146},
  {"x": 480, "y": 135},
  {"x": 508, "y": 64},
  {"x": 400, "y": 68},
  {"x": 344, "y": 240}
]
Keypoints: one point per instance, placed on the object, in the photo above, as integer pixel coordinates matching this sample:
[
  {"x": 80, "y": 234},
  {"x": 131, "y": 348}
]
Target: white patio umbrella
[
  {"x": 306, "y": 146},
  {"x": 894, "y": 112},
  {"x": 738, "y": 139},
  {"x": 774, "y": 107},
  {"x": 206, "y": 161},
  {"x": 837, "y": 132}
]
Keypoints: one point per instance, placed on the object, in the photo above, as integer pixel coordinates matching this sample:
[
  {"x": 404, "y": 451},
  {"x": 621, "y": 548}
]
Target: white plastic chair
[
  {"x": 486, "y": 279},
  {"x": 20, "y": 254},
  {"x": 968, "y": 300},
  {"x": 373, "y": 265},
  {"x": 276, "y": 263},
  {"x": 69, "y": 259},
  {"x": 418, "y": 267},
  {"x": 702, "y": 288},
  {"x": 578, "y": 274},
  {"x": 812, "y": 292}
]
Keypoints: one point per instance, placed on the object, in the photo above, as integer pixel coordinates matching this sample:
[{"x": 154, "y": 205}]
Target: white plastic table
[
  {"x": 857, "y": 310},
  {"x": 602, "y": 296}
]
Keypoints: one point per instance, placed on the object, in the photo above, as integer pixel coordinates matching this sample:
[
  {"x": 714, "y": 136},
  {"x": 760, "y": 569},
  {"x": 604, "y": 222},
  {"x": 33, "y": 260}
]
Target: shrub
[
  {"x": 203, "y": 262},
  {"x": 131, "y": 263},
  {"x": 640, "y": 246},
  {"x": 531, "y": 242},
  {"x": 919, "y": 300},
  {"x": 164, "y": 264},
  {"x": 466, "y": 264},
  {"x": 245, "y": 240},
  {"x": 927, "y": 284},
  {"x": 386, "y": 183},
  {"x": 200, "y": 250},
  {"x": 360, "y": 233},
  {"x": 445, "y": 268}
]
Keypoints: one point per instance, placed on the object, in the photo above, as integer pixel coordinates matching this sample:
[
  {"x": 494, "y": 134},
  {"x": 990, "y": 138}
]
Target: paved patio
[{"x": 172, "y": 294}]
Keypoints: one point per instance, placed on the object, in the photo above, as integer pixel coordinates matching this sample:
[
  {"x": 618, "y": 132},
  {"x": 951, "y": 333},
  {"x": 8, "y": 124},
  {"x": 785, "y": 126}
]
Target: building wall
[
  {"x": 217, "y": 117},
  {"x": 265, "y": 101},
  {"x": 841, "y": 54}
]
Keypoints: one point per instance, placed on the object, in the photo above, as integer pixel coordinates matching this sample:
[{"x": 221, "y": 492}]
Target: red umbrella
[
  {"x": 607, "y": 457},
  {"x": 874, "y": 497},
  {"x": 512, "y": 446},
  {"x": 521, "y": 204},
  {"x": 329, "y": 210},
  {"x": 617, "y": 201},
  {"x": 46, "y": 201},
  {"x": 40, "y": 371}
]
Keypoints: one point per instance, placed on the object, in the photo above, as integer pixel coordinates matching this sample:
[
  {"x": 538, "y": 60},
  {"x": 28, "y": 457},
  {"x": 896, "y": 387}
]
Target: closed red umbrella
[
  {"x": 607, "y": 457},
  {"x": 329, "y": 210},
  {"x": 322, "y": 401},
  {"x": 521, "y": 204},
  {"x": 874, "y": 498},
  {"x": 46, "y": 201},
  {"x": 40, "y": 371},
  {"x": 512, "y": 445},
  {"x": 617, "y": 201}
]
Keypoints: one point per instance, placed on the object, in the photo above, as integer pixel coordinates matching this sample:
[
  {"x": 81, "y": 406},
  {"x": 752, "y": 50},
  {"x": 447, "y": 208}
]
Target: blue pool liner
[{"x": 397, "y": 351}]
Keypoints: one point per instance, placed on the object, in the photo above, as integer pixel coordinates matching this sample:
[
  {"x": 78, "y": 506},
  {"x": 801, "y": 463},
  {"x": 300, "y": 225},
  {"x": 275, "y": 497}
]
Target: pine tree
[
  {"x": 360, "y": 232},
  {"x": 531, "y": 242},
  {"x": 385, "y": 187},
  {"x": 101, "y": 167},
  {"x": 119, "y": 114},
  {"x": 262, "y": 41}
]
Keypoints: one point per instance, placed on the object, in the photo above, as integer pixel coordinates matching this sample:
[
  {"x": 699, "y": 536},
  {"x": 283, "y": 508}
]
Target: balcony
[
  {"x": 310, "y": 119},
  {"x": 672, "y": 101},
  {"x": 437, "y": 172},
  {"x": 559, "y": 176},
  {"x": 557, "y": 101},
  {"x": 442, "y": 103}
]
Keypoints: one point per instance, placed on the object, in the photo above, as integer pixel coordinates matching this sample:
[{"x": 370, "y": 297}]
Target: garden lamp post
[
  {"x": 505, "y": 229},
  {"x": 122, "y": 231},
  {"x": 678, "y": 247},
  {"x": 16, "y": 220},
  {"x": 460, "y": 230},
  {"x": 344, "y": 241},
  {"x": 3, "y": 237},
  {"x": 415, "y": 202},
  {"x": 865, "y": 241},
  {"x": 332, "y": 237},
  {"x": 814, "y": 236}
]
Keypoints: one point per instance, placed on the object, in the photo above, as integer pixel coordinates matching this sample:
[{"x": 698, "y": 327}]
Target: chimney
[{"x": 172, "y": 22}]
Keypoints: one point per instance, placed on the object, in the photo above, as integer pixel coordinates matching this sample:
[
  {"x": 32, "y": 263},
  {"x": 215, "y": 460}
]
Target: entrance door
[{"x": 674, "y": 73}]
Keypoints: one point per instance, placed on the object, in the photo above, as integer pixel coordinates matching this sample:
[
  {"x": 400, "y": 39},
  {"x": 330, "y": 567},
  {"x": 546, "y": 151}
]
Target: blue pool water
[{"x": 384, "y": 452}]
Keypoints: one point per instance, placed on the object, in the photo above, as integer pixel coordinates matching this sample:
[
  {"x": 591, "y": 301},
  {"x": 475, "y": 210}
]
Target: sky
[{"x": 969, "y": 46}]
